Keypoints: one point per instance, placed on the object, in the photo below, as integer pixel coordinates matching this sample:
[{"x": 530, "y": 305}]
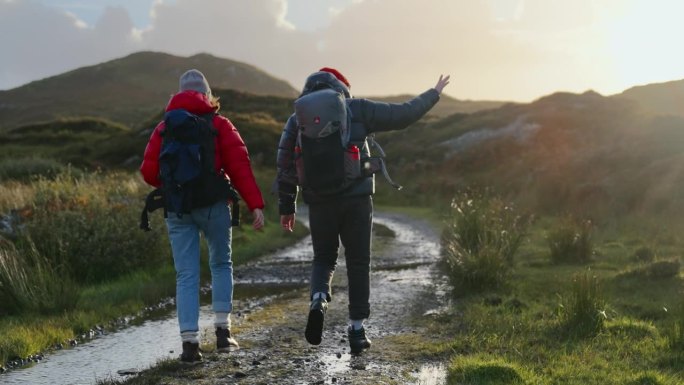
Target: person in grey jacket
[{"x": 348, "y": 215}]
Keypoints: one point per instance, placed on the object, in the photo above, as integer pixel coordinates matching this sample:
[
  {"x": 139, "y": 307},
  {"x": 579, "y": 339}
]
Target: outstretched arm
[{"x": 379, "y": 116}]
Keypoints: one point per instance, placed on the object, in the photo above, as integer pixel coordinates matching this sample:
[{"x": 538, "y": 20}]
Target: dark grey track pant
[{"x": 349, "y": 220}]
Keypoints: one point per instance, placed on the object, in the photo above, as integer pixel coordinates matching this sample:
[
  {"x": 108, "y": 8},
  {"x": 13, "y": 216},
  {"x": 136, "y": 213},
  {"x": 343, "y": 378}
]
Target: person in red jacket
[{"x": 214, "y": 221}]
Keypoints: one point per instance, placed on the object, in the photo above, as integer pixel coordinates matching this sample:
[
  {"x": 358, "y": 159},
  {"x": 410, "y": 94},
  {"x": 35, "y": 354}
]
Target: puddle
[
  {"x": 402, "y": 270},
  {"x": 142, "y": 345},
  {"x": 133, "y": 348},
  {"x": 339, "y": 363},
  {"x": 430, "y": 374}
]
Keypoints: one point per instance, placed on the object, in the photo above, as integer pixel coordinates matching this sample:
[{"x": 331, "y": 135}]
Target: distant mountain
[
  {"x": 659, "y": 98},
  {"x": 584, "y": 153},
  {"x": 447, "y": 105},
  {"x": 127, "y": 90}
]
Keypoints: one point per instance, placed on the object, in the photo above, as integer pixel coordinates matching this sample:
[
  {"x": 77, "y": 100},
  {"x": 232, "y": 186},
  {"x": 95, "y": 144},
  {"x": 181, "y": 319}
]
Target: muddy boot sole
[
  {"x": 232, "y": 348},
  {"x": 189, "y": 363},
  {"x": 314, "y": 327}
]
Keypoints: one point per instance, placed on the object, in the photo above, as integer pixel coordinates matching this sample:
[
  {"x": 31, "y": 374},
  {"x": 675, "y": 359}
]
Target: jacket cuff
[
  {"x": 287, "y": 197},
  {"x": 431, "y": 95},
  {"x": 287, "y": 209}
]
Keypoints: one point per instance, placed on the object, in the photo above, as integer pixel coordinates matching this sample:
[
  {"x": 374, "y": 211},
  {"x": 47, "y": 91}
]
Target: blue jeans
[{"x": 184, "y": 234}]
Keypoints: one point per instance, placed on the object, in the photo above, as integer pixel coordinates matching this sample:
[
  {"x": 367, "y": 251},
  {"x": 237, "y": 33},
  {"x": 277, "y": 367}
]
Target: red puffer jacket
[{"x": 231, "y": 152}]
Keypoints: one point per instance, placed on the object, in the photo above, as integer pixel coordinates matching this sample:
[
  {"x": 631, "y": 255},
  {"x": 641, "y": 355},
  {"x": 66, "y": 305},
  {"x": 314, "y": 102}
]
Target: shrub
[
  {"x": 674, "y": 332},
  {"x": 653, "y": 378},
  {"x": 662, "y": 269},
  {"x": 658, "y": 270},
  {"x": 29, "y": 283},
  {"x": 570, "y": 241},
  {"x": 90, "y": 225},
  {"x": 27, "y": 168},
  {"x": 584, "y": 313},
  {"x": 480, "y": 240},
  {"x": 675, "y": 335},
  {"x": 644, "y": 254}
]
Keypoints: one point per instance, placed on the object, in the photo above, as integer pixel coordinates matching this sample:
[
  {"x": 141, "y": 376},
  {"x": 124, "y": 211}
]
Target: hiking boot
[
  {"x": 191, "y": 354},
  {"x": 314, "y": 325},
  {"x": 358, "y": 341},
  {"x": 224, "y": 342}
]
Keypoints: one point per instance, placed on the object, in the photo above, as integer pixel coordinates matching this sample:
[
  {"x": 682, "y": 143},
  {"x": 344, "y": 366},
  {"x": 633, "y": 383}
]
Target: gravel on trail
[{"x": 405, "y": 287}]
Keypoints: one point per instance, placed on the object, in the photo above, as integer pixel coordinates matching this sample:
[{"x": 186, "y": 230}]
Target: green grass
[
  {"x": 24, "y": 169},
  {"x": 434, "y": 216},
  {"x": 101, "y": 303},
  {"x": 583, "y": 312},
  {"x": 524, "y": 333},
  {"x": 487, "y": 370},
  {"x": 155, "y": 375},
  {"x": 21, "y": 339},
  {"x": 29, "y": 283},
  {"x": 60, "y": 279},
  {"x": 479, "y": 242},
  {"x": 570, "y": 241}
]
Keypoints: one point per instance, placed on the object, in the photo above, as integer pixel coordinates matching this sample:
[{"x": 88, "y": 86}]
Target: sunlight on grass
[
  {"x": 487, "y": 370},
  {"x": 619, "y": 324},
  {"x": 480, "y": 240},
  {"x": 21, "y": 339},
  {"x": 91, "y": 263}
]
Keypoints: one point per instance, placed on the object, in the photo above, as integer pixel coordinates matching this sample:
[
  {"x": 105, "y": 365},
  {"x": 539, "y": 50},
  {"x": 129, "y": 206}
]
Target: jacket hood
[
  {"x": 193, "y": 101},
  {"x": 319, "y": 80}
]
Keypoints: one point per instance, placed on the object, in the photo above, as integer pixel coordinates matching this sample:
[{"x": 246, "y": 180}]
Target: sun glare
[{"x": 643, "y": 41}]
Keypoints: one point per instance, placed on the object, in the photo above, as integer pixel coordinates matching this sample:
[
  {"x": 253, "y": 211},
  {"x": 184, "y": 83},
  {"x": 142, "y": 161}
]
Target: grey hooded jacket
[{"x": 367, "y": 117}]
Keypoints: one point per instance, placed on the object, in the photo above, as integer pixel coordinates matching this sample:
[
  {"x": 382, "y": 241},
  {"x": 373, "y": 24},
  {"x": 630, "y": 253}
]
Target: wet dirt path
[
  {"x": 271, "y": 306},
  {"x": 405, "y": 284}
]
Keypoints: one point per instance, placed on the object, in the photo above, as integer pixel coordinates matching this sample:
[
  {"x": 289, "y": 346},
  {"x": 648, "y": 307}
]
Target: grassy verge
[
  {"x": 75, "y": 257},
  {"x": 433, "y": 216},
  {"x": 614, "y": 319},
  {"x": 100, "y": 304}
]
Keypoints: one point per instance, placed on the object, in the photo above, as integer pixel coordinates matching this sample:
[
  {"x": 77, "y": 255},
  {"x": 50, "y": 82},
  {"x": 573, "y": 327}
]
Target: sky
[{"x": 516, "y": 50}]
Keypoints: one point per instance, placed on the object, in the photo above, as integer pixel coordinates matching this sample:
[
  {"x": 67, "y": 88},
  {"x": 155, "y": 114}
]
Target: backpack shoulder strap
[{"x": 232, "y": 193}]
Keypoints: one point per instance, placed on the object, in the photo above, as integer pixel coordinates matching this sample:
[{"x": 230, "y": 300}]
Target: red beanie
[{"x": 337, "y": 74}]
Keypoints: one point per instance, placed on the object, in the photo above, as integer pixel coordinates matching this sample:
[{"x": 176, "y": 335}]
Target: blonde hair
[{"x": 214, "y": 101}]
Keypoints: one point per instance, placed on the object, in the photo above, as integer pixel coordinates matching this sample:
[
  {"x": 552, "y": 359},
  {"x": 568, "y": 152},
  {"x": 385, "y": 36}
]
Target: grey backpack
[{"x": 327, "y": 163}]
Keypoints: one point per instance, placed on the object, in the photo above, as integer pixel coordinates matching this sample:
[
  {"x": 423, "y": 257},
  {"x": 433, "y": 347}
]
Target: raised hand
[{"x": 441, "y": 83}]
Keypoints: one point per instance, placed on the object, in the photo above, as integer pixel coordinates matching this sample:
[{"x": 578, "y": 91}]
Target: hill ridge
[{"x": 128, "y": 89}]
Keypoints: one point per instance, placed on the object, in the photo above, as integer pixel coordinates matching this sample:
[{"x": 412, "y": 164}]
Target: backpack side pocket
[
  {"x": 299, "y": 165},
  {"x": 352, "y": 163}
]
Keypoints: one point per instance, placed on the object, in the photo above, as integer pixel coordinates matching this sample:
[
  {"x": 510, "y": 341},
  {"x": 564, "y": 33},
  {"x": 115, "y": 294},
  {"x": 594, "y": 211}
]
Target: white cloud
[
  {"x": 495, "y": 49},
  {"x": 39, "y": 41},
  {"x": 399, "y": 46},
  {"x": 255, "y": 32}
]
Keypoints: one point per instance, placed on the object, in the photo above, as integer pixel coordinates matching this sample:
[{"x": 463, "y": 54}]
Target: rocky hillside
[
  {"x": 580, "y": 152},
  {"x": 660, "y": 98}
]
